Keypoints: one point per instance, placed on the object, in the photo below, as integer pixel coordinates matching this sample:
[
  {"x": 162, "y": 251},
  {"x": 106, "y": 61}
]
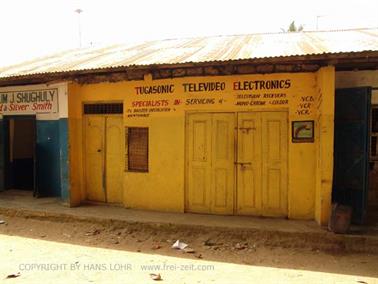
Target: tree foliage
[{"x": 293, "y": 28}]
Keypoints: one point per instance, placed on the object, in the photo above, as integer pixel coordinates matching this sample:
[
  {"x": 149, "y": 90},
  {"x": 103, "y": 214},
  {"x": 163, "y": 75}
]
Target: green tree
[{"x": 293, "y": 28}]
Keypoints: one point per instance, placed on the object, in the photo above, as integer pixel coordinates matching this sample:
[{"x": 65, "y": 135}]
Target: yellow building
[{"x": 203, "y": 125}]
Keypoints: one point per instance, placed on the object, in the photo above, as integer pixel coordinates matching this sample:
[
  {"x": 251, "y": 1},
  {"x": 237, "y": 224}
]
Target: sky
[{"x": 34, "y": 28}]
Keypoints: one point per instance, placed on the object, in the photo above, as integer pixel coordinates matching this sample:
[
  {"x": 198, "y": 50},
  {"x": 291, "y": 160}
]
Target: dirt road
[{"x": 44, "y": 251}]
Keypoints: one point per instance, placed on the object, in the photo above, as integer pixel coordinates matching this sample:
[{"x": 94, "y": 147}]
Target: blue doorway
[
  {"x": 18, "y": 140},
  {"x": 351, "y": 150}
]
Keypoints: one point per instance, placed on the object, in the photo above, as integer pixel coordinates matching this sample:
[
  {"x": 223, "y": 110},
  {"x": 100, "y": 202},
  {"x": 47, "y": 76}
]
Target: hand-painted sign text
[{"x": 34, "y": 101}]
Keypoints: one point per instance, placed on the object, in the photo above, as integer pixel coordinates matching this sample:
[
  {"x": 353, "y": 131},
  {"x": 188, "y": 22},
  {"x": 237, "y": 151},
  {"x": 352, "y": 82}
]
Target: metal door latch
[
  {"x": 243, "y": 164},
  {"x": 245, "y": 129}
]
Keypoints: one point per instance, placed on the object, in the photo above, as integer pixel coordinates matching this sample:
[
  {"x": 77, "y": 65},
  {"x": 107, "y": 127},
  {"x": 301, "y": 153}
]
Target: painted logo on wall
[{"x": 27, "y": 102}]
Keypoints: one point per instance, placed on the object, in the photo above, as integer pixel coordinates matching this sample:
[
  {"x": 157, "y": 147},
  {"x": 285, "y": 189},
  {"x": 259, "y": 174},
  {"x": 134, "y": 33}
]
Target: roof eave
[{"x": 344, "y": 60}]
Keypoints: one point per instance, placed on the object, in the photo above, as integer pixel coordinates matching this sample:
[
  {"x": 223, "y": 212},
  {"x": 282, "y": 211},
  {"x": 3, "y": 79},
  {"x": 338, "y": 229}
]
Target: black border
[
  {"x": 128, "y": 151},
  {"x": 302, "y": 140}
]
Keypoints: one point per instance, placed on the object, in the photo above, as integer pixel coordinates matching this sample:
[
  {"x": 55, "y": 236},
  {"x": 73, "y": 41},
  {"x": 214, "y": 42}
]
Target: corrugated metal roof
[{"x": 201, "y": 49}]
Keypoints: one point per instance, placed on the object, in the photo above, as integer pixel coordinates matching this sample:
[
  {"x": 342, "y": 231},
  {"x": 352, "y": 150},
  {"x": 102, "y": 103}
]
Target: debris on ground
[
  {"x": 240, "y": 246},
  {"x": 155, "y": 247},
  {"x": 253, "y": 247},
  {"x": 92, "y": 233},
  {"x": 2, "y": 222},
  {"x": 179, "y": 245},
  {"x": 188, "y": 250},
  {"x": 13, "y": 275},
  {"x": 156, "y": 277},
  {"x": 209, "y": 243},
  {"x": 183, "y": 247}
]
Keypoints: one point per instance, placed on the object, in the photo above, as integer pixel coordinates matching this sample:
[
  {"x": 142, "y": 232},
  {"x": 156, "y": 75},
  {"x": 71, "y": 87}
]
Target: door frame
[
  {"x": 6, "y": 119},
  {"x": 186, "y": 152}
]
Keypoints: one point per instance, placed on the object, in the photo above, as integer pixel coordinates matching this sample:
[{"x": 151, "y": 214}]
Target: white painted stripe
[{"x": 63, "y": 100}]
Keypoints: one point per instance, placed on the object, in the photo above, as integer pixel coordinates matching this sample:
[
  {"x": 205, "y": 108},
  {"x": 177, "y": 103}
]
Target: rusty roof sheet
[{"x": 200, "y": 49}]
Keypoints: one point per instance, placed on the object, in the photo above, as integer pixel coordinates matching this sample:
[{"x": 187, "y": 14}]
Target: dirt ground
[{"x": 245, "y": 250}]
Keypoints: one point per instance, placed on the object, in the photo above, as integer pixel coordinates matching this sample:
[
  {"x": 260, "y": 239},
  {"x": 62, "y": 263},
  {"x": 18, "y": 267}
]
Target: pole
[{"x": 79, "y": 11}]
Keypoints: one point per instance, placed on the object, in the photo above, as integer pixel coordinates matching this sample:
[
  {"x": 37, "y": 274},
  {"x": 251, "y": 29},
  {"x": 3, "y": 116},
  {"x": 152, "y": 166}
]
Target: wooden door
[
  {"x": 94, "y": 158},
  {"x": 210, "y": 174},
  {"x": 114, "y": 164},
  {"x": 199, "y": 163},
  {"x": 222, "y": 164},
  {"x": 262, "y": 164},
  {"x": 249, "y": 170},
  {"x": 274, "y": 163}
]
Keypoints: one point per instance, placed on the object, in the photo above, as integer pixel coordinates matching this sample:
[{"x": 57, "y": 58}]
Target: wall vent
[{"x": 110, "y": 108}]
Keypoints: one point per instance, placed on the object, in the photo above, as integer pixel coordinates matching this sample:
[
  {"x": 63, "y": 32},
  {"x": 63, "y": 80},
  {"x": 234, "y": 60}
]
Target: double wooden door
[
  {"x": 104, "y": 158},
  {"x": 237, "y": 163}
]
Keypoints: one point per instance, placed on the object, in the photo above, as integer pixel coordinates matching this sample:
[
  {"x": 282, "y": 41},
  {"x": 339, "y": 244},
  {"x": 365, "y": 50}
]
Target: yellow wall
[
  {"x": 162, "y": 188},
  {"x": 324, "y": 135}
]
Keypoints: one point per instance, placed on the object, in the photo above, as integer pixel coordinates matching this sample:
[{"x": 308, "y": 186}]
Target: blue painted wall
[
  {"x": 2, "y": 156},
  {"x": 52, "y": 158},
  {"x": 64, "y": 166},
  {"x": 48, "y": 158},
  {"x": 52, "y": 162}
]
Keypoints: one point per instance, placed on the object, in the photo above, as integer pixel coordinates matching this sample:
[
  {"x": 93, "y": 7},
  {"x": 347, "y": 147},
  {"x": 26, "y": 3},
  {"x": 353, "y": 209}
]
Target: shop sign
[
  {"x": 245, "y": 93},
  {"x": 216, "y": 94},
  {"x": 30, "y": 101}
]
